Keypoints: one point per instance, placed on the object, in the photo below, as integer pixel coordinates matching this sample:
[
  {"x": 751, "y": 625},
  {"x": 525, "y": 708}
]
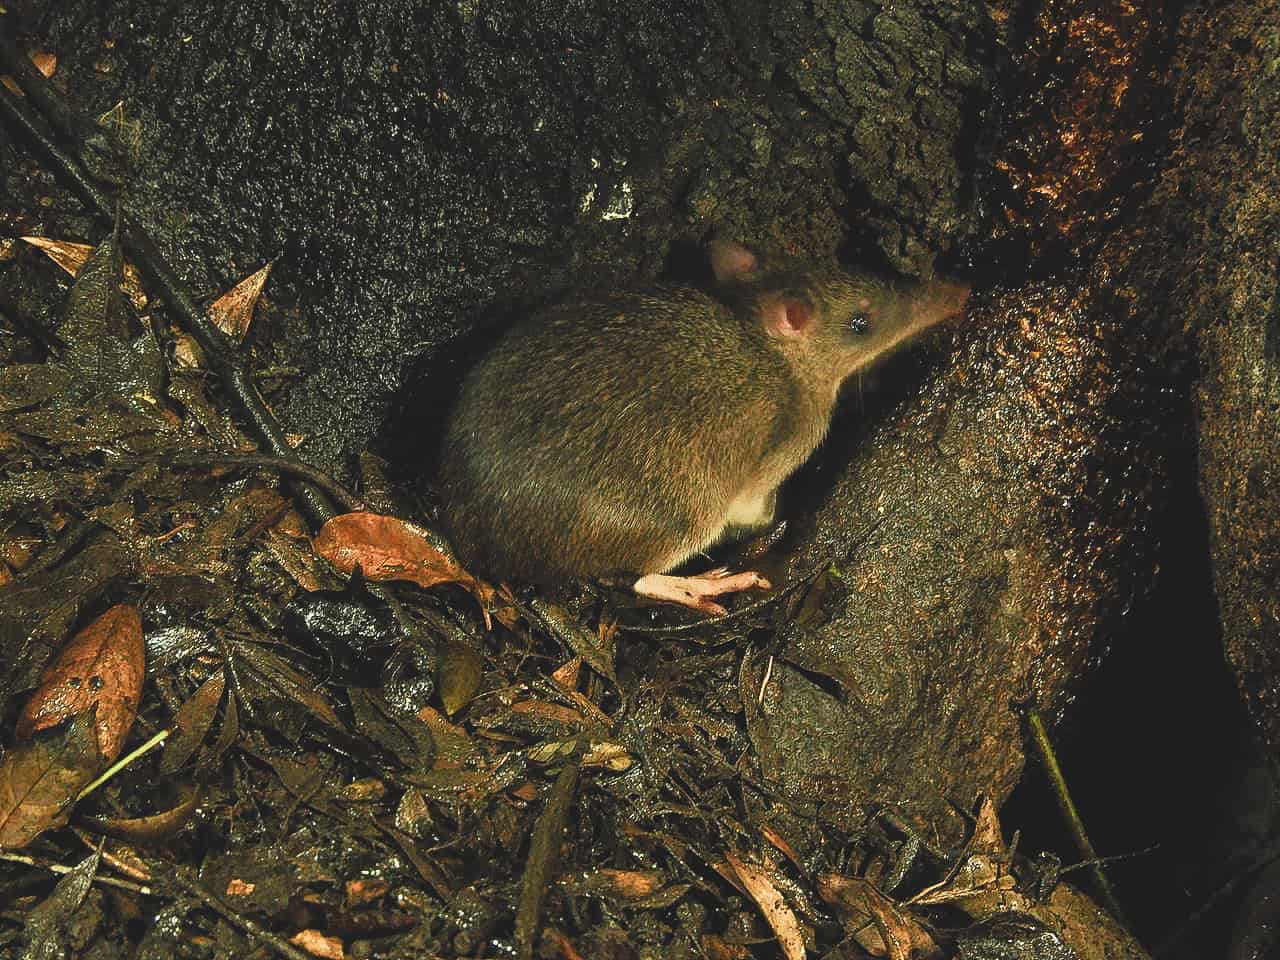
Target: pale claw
[{"x": 696, "y": 592}]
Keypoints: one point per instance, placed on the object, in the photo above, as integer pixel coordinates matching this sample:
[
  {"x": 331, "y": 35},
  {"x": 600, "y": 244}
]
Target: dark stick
[
  {"x": 89, "y": 136},
  {"x": 220, "y": 353},
  {"x": 1049, "y": 758},
  {"x": 544, "y": 852},
  {"x": 340, "y": 494},
  {"x": 160, "y": 276},
  {"x": 253, "y": 929}
]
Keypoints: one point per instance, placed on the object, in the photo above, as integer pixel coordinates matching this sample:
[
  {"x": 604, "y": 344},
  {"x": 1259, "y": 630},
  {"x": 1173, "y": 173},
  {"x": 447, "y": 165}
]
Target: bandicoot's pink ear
[
  {"x": 786, "y": 318},
  {"x": 732, "y": 262}
]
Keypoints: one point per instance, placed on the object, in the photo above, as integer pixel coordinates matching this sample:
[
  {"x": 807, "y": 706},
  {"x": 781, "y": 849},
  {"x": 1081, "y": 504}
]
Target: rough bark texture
[
  {"x": 1008, "y": 502},
  {"x": 416, "y": 166},
  {"x": 1011, "y": 502},
  {"x": 1224, "y": 194}
]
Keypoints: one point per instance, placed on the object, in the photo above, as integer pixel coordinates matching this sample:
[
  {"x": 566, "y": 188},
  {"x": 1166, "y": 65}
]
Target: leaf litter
[{"x": 405, "y": 774}]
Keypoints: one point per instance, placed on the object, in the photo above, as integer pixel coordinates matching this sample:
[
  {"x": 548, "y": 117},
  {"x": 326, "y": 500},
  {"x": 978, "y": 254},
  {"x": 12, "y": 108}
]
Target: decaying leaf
[
  {"x": 780, "y": 917},
  {"x": 71, "y": 257},
  {"x": 49, "y": 922},
  {"x": 42, "y": 60},
  {"x": 878, "y": 924},
  {"x": 25, "y": 385},
  {"x": 388, "y": 548},
  {"x": 233, "y": 311},
  {"x": 103, "y": 351},
  {"x": 459, "y": 676},
  {"x": 101, "y": 667},
  {"x": 66, "y": 254},
  {"x": 40, "y": 778},
  {"x": 148, "y": 829},
  {"x": 192, "y": 721},
  {"x": 46, "y": 61},
  {"x": 318, "y": 945}
]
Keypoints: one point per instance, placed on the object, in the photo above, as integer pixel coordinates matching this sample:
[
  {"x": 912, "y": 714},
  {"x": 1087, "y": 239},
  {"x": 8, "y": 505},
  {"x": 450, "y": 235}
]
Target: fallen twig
[
  {"x": 544, "y": 849},
  {"x": 1044, "y": 750},
  {"x": 222, "y": 358}
]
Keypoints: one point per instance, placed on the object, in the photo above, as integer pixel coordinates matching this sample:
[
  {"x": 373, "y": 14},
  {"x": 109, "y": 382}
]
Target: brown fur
[{"x": 615, "y": 431}]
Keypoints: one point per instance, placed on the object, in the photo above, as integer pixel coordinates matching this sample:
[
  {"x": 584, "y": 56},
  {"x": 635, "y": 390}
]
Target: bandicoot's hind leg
[{"x": 696, "y": 592}]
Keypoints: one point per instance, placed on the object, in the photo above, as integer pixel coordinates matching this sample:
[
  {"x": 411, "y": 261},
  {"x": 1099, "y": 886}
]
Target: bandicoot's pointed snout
[{"x": 940, "y": 300}]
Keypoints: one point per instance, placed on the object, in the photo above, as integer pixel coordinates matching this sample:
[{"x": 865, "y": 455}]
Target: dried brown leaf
[
  {"x": 388, "y": 548},
  {"x": 880, "y": 926},
  {"x": 45, "y": 61},
  {"x": 318, "y": 945},
  {"x": 69, "y": 256},
  {"x": 102, "y": 667},
  {"x": 148, "y": 829},
  {"x": 40, "y": 778},
  {"x": 780, "y": 917},
  {"x": 233, "y": 311},
  {"x": 72, "y": 256}
]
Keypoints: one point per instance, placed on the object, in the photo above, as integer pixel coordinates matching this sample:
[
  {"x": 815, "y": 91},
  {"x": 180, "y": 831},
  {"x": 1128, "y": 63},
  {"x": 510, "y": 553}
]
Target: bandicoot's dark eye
[{"x": 858, "y": 323}]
